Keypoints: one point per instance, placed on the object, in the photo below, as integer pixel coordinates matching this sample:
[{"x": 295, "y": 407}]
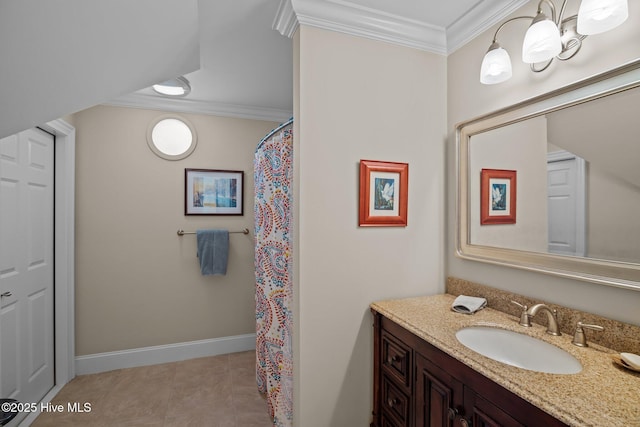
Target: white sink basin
[{"x": 515, "y": 349}]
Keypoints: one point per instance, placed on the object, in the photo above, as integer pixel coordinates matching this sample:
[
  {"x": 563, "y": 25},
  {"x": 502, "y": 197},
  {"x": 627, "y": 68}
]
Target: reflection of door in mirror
[
  {"x": 566, "y": 203},
  {"x": 595, "y": 120},
  {"x": 602, "y": 134}
]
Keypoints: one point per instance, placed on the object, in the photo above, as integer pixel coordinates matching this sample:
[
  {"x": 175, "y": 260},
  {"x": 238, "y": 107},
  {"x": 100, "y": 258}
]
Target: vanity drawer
[
  {"x": 395, "y": 403},
  {"x": 396, "y": 359}
]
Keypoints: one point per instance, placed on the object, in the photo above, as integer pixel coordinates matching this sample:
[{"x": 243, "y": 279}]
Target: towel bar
[{"x": 181, "y": 232}]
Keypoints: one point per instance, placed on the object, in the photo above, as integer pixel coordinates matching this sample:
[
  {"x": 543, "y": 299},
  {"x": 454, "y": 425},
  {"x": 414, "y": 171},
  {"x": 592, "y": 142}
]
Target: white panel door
[
  {"x": 565, "y": 192},
  {"x": 26, "y": 265}
]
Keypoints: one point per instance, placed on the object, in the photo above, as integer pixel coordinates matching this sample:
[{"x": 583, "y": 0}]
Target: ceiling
[{"x": 246, "y": 65}]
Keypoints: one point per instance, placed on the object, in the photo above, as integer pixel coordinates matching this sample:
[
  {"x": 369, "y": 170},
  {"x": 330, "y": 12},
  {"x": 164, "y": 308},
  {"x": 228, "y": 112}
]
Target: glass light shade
[
  {"x": 496, "y": 66},
  {"x": 542, "y": 41},
  {"x": 598, "y": 16},
  {"x": 175, "y": 87}
]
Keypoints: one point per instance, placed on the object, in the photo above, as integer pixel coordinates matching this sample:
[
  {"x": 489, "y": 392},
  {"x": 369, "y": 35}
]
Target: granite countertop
[{"x": 602, "y": 394}]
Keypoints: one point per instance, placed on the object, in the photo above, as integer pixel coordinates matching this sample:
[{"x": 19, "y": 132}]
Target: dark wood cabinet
[
  {"x": 418, "y": 385},
  {"x": 438, "y": 395}
]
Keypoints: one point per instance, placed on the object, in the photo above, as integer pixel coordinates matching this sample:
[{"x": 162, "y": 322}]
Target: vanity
[{"x": 423, "y": 376}]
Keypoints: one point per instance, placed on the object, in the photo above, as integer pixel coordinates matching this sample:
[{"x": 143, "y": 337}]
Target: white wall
[
  {"x": 467, "y": 98},
  {"x": 359, "y": 99}
]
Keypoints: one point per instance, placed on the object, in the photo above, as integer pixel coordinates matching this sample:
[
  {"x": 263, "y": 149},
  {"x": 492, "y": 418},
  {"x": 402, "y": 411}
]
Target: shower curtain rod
[
  {"x": 182, "y": 232},
  {"x": 270, "y": 134}
]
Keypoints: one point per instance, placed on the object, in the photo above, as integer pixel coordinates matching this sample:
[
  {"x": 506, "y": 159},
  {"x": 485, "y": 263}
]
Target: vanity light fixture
[
  {"x": 555, "y": 37},
  {"x": 174, "y": 87}
]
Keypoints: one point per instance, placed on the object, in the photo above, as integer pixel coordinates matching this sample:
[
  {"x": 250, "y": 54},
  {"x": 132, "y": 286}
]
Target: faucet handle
[
  {"x": 525, "y": 319},
  {"x": 580, "y": 338}
]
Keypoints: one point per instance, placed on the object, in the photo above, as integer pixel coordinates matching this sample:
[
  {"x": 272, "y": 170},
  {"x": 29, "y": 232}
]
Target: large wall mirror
[{"x": 573, "y": 156}]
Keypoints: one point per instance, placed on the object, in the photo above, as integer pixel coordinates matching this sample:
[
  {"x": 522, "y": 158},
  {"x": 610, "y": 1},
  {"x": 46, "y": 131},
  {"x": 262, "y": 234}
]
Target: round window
[{"x": 171, "y": 138}]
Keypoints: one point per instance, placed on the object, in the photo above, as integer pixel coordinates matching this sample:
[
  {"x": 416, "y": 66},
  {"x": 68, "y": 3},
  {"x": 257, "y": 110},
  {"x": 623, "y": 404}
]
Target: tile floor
[{"x": 217, "y": 391}]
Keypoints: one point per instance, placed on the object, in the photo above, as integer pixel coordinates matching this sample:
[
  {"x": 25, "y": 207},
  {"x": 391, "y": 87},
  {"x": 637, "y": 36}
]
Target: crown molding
[
  {"x": 152, "y": 102},
  {"x": 285, "y": 21},
  {"x": 478, "y": 20},
  {"x": 345, "y": 17}
]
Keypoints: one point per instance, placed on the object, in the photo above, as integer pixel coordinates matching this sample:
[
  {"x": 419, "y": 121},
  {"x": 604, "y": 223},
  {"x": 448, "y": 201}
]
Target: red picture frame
[
  {"x": 384, "y": 191},
  {"x": 498, "y": 191}
]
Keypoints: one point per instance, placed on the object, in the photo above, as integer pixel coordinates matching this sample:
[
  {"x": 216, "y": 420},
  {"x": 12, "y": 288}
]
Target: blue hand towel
[{"x": 213, "y": 251}]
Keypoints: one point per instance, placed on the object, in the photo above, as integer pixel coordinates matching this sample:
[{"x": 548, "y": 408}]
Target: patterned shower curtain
[{"x": 273, "y": 175}]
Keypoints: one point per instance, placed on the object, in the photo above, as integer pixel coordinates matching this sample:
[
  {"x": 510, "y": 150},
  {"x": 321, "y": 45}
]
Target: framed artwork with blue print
[
  {"x": 384, "y": 190},
  {"x": 213, "y": 192},
  {"x": 498, "y": 196}
]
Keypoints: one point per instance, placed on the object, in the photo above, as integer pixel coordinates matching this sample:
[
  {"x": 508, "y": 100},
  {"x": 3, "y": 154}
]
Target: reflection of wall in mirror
[
  {"x": 520, "y": 147},
  {"x": 605, "y": 133}
]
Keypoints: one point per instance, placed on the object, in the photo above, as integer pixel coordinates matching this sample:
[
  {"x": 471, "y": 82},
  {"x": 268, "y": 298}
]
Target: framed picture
[
  {"x": 213, "y": 192},
  {"x": 384, "y": 189},
  {"x": 497, "y": 196}
]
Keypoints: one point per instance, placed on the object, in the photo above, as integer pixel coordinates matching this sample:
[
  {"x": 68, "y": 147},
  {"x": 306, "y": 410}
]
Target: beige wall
[
  {"x": 613, "y": 211},
  {"x": 359, "y": 99},
  {"x": 137, "y": 283},
  {"x": 467, "y": 98}
]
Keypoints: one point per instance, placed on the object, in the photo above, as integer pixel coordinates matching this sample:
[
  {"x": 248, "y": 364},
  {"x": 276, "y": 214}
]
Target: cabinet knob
[
  {"x": 465, "y": 423},
  {"x": 392, "y": 402},
  {"x": 453, "y": 413},
  {"x": 393, "y": 359}
]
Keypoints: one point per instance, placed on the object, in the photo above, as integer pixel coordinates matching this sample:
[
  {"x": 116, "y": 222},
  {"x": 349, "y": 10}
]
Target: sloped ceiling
[
  {"x": 604, "y": 132},
  {"x": 62, "y": 56},
  {"x": 247, "y": 65}
]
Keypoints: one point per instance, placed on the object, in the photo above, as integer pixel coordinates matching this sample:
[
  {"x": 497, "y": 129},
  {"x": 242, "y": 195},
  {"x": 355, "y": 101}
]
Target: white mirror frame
[
  {"x": 612, "y": 273},
  {"x": 160, "y": 153}
]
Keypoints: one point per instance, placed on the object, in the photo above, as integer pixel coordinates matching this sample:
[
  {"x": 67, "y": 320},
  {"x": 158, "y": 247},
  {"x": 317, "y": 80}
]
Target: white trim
[
  {"x": 152, "y": 102},
  {"x": 31, "y": 417},
  {"x": 581, "y": 198},
  {"x": 477, "y": 21},
  {"x": 285, "y": 21},
  {"x": 350, "y": 18},
  {"x": 102, "y": 362},
  {"x": 64, "y": 248},
  {"x": 65, "y": 149},
  {"x": 356, "y": 20}
]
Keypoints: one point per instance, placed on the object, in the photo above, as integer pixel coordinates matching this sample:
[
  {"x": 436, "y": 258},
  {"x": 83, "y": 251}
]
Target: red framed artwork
[
  {"x": 384, "y": 190},
  {"x": 498, "y": 196}
]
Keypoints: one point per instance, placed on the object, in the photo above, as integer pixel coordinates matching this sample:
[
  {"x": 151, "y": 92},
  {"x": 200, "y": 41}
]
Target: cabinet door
[
  {"x": 438, "y": 395},
  {"x": 486, "y": 414}
]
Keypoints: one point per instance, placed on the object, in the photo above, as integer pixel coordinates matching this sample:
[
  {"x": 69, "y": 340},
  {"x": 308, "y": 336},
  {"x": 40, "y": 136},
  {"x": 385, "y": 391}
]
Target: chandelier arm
[
  {"x": 562, "y": 9},
  {"x": 552, "y": 7},
  {"x": 539, "y": 70},
  {"x": 495, "y": 36}
]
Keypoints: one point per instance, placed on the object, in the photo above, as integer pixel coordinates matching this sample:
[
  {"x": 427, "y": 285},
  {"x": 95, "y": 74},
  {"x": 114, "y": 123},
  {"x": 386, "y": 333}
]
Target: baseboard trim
[{"x": 103, "y": 362}]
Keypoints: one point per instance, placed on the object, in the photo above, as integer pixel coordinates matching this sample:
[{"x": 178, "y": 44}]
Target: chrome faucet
[{"x": 552, "y": 317}]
